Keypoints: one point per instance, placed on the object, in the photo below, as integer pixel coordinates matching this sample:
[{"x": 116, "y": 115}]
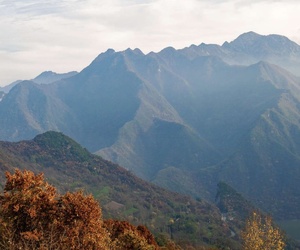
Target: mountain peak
[
  {"x": 49, "y": 134},
  {"x": 244, "y": 40},
  {"x": 61, "y": 145},
  {"x": 54, "y": 140},
  {"x": 47, "y": 77},
  {"x": 168, "y": 51},
  {"x": 136, "y": 51},
  {"x": 108, "y": 53},
  {"x": 46, "y": 73},
  {"x": 261, "y": 46},
  {"x": 251, "y": 35}
]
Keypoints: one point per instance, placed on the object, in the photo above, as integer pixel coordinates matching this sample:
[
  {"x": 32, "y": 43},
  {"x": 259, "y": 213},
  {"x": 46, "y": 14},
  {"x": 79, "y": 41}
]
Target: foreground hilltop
[{"x": 122, "y": 195}]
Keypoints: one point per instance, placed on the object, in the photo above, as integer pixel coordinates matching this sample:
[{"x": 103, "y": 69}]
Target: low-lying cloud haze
[{"x": 66, "y": 35}]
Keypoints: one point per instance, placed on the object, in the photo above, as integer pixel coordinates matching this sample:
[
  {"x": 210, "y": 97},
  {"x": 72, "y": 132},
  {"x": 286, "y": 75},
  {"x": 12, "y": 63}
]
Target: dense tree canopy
[
  {"x": 33, "y": 216},
  {"x": 261, "y": 234}
]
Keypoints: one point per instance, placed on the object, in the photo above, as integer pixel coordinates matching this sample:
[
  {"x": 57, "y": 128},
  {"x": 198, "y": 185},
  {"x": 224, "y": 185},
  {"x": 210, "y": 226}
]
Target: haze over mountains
[
  {"x": 43, "y": 78},
  {"x": 184, "y": 119}
]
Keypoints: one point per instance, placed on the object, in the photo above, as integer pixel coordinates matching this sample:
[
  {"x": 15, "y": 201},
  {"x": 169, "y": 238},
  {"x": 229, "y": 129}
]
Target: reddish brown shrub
[
  {"x": 34, "y": 216},
  {"x": 126, "y": 236}
]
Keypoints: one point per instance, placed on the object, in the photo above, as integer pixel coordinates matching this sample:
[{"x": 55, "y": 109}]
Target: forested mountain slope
[{"x": 122, "y": 196}]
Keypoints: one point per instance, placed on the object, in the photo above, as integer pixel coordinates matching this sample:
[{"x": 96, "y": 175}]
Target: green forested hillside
[{"x": 122, "y": 196}]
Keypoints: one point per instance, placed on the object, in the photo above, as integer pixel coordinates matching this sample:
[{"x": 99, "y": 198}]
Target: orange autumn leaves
[{"x": 34, "y": 216}]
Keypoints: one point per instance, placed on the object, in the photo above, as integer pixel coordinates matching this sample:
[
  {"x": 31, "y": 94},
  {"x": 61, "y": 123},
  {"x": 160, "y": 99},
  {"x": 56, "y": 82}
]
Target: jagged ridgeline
[
  {"x": 122, "y": 196},
  {"x": 184, "y": 119}
]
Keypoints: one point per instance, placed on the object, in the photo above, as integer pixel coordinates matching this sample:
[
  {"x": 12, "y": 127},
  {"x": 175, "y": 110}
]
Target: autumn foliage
[
  {"x": 126, "y": 236},
  {"x": 261, "y": 234},
  {"x": 34, "y": 216}
]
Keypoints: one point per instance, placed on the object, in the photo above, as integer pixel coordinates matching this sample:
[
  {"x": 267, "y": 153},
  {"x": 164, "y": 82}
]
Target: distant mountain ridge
[
  {"x": 184, "y": 119},
  {"x": 49, "y": 77},
  {"x": 252, "y": 43},
  {"x": 44, "y": 78},
  {"x": 7, "y": 88},
  {"x": 250, "y": 48}
]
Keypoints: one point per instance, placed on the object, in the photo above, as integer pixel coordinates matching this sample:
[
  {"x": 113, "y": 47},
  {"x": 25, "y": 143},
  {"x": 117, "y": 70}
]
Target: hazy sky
[{"x": 65, "y": 35}]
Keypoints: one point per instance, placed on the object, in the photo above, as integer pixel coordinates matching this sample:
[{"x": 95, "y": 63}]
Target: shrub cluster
[{"x": 34, "y": 216}]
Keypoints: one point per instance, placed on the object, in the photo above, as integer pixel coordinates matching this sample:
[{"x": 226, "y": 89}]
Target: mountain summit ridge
[{"x": 253, "y": 43}]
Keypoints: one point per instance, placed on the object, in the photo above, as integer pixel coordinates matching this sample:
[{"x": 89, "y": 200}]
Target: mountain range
[{"x": 183, "y": 119}]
